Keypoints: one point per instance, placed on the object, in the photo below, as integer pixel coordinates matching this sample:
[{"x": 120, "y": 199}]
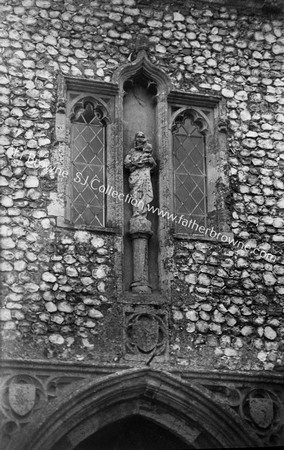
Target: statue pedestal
[{"x": 140, "y": 232}]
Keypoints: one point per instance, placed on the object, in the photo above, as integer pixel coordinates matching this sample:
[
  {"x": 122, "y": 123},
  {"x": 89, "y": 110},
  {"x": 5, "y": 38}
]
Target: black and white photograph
[{"x": 141, "y": 224}]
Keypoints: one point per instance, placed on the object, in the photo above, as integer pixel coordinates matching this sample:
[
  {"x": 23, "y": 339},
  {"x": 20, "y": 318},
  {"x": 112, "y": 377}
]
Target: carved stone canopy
[{"x": 142, "y": 64}]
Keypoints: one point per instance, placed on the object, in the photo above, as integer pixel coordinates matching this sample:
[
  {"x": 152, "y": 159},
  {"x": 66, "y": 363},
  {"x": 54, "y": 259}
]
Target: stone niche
[
  {"x": 142, "y": 106},
  {"x": 139, "y": 114}
]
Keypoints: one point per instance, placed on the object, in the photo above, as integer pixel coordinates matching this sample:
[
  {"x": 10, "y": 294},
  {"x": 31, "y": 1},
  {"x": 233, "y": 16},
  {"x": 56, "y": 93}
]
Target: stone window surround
[
  {"x": 169, "y": 104},
  {"x": 209, "y": 110},
  {"x": 70, "y": 91},
  {"x": 205, "y": 124},
  {"x": 77, "y": 150}
]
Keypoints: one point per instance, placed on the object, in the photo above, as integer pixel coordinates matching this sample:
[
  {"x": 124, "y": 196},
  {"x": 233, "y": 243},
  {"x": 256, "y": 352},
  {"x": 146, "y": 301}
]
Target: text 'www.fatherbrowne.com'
[{"x": 96, "y": 185}]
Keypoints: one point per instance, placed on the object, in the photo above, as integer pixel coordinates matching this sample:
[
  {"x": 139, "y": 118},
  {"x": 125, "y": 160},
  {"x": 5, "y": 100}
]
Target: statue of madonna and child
[{"x": 140, "y": 163}]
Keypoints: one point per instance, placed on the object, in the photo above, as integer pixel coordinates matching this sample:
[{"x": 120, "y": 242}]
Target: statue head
[{"x": 140, "y": 139}]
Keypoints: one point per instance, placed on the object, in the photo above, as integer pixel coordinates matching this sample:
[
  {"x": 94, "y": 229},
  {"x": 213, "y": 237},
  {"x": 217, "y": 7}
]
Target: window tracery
[
  {"x": 189, "y": 168},
  {"x": 88, "y": 163}
]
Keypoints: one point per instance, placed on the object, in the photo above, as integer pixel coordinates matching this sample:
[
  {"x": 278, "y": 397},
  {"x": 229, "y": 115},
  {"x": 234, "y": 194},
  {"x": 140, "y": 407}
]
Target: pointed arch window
[
  {"x": 189, "y": 169},
  {"x": 88, "y": 163}
]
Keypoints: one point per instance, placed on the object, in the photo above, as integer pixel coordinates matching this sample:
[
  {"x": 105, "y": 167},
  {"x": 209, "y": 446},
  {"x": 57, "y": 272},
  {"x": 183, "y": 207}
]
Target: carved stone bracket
[
  {"x": 223, "y": 124},
  {"x": 142, "y": 43}
]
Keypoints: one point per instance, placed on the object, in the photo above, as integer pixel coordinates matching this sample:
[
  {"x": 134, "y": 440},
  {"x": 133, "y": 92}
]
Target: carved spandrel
[
  {"x": 260, "y": 409},
  {"x": 21, "y": 396}
]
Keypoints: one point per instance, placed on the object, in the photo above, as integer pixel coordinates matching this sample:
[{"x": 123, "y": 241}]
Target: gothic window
[
  {"x": 189, "y": 170},
  {"x": 85, "y": 156},
  {"x": 88, "y": 163}
]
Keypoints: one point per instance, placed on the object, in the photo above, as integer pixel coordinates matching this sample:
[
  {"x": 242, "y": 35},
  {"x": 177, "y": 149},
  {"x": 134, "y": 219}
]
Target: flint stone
[
  {"x": 269, "y": 333},
  {"x": 278, "y": 49},
  {"x": 5, "y": 266},
  {"x": 31, "y": 182},
  {"x": 95, "y": 314},
  {"x": 48, "y": 277},
  {"x": 90, "y": 324},
  {"x": 65, "y": 307},
  {"x": 71, "y": 272},
  {"x": 269, "y": 279},
  {"x": 7, "y": 243},
  {"x": 87, "y": 281},
  {"x": 227, "y": 93},
  {"x": 100, "y": 272},
  {"x": 247, "y": 330},
  {"x": 97, "y": 242},
  {"x": 192, "y": 316},
  {"x": 202, "y": 326},
  {"x": 82, "y": 236},
  {"x": 56, "y": 339},
  {"x": 5, "y": 315},
  {"x": 51, "y": 307}
]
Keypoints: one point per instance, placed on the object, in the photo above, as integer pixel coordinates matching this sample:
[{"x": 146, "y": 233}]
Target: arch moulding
[
  {"x": 175, "y": 405},
  {"x": 142, "y": 63}
]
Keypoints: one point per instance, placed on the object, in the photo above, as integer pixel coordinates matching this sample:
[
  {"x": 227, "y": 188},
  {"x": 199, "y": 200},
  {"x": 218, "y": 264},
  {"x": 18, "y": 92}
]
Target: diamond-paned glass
[
  {"x": 88, "y": 143},
  {"x": 189, "y": 160}
]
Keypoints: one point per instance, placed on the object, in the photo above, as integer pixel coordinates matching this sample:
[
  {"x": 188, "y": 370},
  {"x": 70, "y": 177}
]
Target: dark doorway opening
[{"x": 133, "y": 433}]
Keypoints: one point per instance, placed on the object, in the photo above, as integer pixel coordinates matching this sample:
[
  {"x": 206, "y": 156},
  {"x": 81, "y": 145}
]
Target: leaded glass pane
[
  {"x": 88, "y": 169},
  {"x": 189, "y": 175}
]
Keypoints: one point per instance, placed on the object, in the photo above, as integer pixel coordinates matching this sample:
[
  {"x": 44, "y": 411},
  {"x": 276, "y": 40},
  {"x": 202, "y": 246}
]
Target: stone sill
[
  {"x": 108, "y": 230},
  {"x": 153, "y": 298}
]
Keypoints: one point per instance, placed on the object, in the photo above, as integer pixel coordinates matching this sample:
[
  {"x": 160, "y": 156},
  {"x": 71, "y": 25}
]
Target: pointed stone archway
[
  {"x": 134, "y": 432},
  {"x": 179, "y": 408}
]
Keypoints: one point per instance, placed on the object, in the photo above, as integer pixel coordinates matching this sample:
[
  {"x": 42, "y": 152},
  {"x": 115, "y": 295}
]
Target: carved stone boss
[{"x": 140, "y": 163}]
